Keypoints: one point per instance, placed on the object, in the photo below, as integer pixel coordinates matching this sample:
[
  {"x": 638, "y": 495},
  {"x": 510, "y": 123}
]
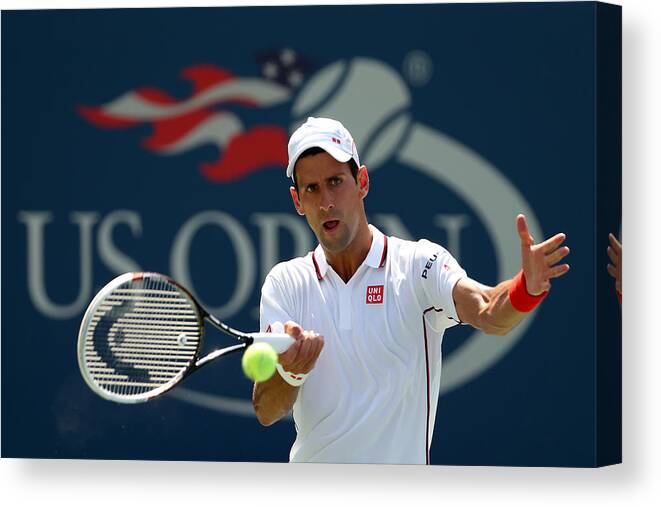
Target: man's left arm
[{"x": 496, "y": 310}]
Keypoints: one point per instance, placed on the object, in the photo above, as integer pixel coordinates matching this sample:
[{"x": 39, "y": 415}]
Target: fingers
[
  {"x": 304, "y": 351},
  {"x": 296, "y": 332},
  {"x": 615, "y": 244},
  {"x": 612, "y": 270},
  {"x": 293, "y": 329},
  {"x": 289, "y": 356},
  {"x": 552, "y": 243},
  {"x": 613, "y": 255},
  {"x": 558, "y": 271},
  {"x": 302, "y": 355},
  {"x": 308, "y": 358},
  {"x": 524, "y": 233},
  {"x": 557, "y": 255}
]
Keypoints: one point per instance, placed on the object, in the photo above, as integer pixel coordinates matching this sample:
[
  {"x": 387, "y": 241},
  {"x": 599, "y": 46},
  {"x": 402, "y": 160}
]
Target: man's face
[{"x": 330, "y": 198}]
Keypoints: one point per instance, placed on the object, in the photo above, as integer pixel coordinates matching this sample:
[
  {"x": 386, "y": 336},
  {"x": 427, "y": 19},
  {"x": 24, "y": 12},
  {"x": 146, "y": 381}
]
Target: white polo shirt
[{"x": 372, "y": 395}]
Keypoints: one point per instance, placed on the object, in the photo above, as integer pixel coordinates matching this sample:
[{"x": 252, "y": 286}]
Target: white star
[
  {"x": 295, "y": 78},
  {"x": 287, "y": 57},
  {"x": 270, "y": 70}
]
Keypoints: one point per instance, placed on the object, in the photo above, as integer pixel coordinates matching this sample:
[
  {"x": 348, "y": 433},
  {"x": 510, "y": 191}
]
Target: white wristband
[{"x": 293, "y": 379}]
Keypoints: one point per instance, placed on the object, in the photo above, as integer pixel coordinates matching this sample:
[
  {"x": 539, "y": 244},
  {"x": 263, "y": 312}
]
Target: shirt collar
[{"x": 376, "y": 257}]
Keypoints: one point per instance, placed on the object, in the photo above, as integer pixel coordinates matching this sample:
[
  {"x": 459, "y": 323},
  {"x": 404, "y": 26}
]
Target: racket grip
[{"x": 279, "y": 341}]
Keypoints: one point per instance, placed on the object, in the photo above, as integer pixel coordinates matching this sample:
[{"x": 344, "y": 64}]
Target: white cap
[{"x": 329, "y": 135}]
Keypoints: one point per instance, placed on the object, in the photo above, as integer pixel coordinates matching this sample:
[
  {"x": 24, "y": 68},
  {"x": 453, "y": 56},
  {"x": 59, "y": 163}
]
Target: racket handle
[{"x": 279, "y": 341}]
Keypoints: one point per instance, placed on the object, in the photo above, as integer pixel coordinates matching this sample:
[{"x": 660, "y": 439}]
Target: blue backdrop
[{"x": 153, "y": 139}]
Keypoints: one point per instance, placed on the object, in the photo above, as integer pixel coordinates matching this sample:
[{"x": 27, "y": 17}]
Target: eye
[
  {"x": 311, "y": 188},
  {"x": 335, "y": 181}
]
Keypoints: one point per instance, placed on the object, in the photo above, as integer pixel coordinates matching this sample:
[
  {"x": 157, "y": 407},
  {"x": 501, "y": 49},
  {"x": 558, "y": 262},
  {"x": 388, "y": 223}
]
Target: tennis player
[{"x": 368, "y": 312}]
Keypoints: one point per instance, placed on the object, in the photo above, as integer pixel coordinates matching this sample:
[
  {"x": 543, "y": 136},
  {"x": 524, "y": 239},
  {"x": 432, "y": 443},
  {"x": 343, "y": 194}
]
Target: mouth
[{"x": 330, "y": 225}]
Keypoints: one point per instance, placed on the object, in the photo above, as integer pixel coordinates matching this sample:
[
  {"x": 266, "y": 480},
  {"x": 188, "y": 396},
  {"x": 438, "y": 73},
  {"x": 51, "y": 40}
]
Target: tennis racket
[{"x": 142, "y": 335}]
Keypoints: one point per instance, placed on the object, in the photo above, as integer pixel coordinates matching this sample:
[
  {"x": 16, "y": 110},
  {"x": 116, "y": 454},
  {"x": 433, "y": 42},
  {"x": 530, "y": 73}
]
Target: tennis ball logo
[
  {"x": 259, "y": 362},
  {"x": 369, "y": 97}
]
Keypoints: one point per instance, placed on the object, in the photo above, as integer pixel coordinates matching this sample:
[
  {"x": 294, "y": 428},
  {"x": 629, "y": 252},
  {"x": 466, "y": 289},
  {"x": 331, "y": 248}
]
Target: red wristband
[
  {"x": 520, "y": 298},
  {"x": 619, "y": 295}
]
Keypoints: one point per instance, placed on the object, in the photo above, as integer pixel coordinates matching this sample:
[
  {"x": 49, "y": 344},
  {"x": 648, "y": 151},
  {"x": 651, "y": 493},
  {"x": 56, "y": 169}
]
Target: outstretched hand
[{"x": 540, "y": 261}]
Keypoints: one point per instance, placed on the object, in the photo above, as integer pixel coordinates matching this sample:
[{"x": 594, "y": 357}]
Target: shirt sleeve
[
  {"x": 274, "y": 305},
  {"x": 437, "y": 272}
]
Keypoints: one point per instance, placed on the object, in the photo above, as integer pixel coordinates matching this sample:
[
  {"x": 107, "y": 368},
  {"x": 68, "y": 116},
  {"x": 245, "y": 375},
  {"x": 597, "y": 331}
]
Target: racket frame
[{"x": 194, "y": 364}]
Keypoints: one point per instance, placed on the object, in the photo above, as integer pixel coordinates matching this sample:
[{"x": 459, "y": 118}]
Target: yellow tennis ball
[{"x": 259, "y": 361}]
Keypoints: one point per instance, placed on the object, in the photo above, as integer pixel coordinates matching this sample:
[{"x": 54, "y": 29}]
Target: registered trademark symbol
[{"x": 418, "y": 67}]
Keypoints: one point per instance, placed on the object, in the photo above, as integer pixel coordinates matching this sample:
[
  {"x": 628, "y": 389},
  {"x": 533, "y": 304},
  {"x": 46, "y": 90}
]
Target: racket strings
[{"x": 142, "y": 336}]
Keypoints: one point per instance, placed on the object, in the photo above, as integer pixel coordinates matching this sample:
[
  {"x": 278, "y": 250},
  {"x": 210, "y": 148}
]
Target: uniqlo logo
[{"x": 374, "y": 295}]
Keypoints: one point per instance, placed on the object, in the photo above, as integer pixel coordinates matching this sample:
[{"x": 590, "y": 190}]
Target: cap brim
[{"x": 328, "y": 147}]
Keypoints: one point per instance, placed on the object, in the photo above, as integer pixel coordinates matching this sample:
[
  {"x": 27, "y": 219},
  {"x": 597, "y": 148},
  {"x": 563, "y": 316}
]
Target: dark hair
[{"x": 315, "y": 151}]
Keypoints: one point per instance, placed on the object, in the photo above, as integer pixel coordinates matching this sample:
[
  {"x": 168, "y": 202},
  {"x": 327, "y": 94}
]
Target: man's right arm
[{"x": 274, "y": 398}]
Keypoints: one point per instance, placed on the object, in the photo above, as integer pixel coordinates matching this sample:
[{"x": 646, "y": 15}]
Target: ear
[
  {"x": 297, "y": 202},
  {"x": 363, "y": 181}
]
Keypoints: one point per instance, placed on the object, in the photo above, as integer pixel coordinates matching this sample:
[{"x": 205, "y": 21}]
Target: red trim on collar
[
  {"x": 385, "y": 251},
  {"x": 316, "y": 268}
]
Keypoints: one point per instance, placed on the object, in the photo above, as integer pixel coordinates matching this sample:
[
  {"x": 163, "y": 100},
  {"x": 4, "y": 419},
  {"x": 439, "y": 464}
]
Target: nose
[{"x": 326, "y": 203}]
